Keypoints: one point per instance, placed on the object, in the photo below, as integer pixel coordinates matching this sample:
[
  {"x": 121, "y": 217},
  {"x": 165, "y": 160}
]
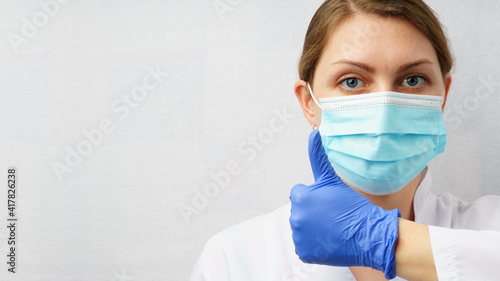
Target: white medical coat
[{"x": 465, "y": 239}]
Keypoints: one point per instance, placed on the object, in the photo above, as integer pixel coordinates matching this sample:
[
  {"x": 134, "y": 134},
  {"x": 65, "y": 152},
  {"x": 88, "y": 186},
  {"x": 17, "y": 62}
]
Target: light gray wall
[{"x": 115, "y": 214}]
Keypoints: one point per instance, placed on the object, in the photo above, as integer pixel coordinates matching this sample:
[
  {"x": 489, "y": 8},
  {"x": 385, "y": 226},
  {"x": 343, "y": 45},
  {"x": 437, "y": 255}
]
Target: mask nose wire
[{"x": 312, "y": 95}]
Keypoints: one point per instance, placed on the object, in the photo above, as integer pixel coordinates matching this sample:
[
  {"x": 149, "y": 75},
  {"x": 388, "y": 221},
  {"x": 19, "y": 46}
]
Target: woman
[{"x": 374, "y": 78}]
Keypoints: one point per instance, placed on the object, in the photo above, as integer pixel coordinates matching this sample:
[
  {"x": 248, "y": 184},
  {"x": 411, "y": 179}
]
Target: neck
[{"x": 402, "y": 200}]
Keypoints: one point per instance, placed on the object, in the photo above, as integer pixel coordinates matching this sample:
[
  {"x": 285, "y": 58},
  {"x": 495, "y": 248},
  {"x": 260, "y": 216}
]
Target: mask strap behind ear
[{"x": 312, "y": 95}]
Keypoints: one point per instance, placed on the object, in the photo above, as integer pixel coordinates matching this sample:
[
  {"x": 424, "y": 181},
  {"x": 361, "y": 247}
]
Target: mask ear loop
[
  {"x": 312, "y": 95},
  {"x": 317, "y": 103}
]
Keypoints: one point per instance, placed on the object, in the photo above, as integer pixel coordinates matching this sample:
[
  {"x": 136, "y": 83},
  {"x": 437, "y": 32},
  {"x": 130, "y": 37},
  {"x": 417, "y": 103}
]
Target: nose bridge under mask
[{"x": 439, "y": 98}]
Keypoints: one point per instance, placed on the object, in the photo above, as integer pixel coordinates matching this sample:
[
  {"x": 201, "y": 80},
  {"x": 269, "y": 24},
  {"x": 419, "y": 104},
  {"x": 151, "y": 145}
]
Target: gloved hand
[{"x": 333, "y": 224}]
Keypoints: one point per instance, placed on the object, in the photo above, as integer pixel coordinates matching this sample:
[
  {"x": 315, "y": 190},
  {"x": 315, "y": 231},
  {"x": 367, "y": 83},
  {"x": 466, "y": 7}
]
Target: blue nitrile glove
[{"x": 332, "y": 224}]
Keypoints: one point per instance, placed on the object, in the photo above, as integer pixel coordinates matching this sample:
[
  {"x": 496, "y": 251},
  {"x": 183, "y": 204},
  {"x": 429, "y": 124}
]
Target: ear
[
  {"x": 447, "y": 86},
  {"x": 309, "y": 108}
]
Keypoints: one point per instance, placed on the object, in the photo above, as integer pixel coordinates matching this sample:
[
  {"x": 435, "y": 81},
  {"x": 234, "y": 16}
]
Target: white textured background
[{"x": 116, "y": 214}]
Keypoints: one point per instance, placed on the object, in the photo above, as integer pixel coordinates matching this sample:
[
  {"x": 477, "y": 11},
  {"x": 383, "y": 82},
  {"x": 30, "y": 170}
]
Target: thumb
[{"x": 320, "y": 164}]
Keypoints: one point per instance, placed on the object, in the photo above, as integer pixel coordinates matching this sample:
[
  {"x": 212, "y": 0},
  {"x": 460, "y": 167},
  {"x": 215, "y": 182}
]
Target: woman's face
[{"x": 368, "y": 54}]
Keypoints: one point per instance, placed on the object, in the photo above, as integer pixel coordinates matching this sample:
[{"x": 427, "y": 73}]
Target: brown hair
[{"x": 334, "y": 12}]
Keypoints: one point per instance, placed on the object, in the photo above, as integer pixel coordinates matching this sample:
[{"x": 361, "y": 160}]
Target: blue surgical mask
[{"x": 379, "y": 142}]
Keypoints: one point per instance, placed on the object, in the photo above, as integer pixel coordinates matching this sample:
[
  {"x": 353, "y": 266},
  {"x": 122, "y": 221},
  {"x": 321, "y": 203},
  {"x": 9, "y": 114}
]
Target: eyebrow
[
  {"x": 369, "y": 68},
  {"x": 413, "y": 64},
  {"x": 357, "y": 64}
]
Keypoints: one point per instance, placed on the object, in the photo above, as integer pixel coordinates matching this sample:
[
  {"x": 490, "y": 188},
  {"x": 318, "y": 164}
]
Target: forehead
[{"x": 379, "y": 41}]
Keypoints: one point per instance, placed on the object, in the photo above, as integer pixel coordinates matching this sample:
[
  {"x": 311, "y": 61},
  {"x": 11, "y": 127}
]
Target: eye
[
  {"x": 351, "y": 83},
  {"x": 414, "y": 81}
]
